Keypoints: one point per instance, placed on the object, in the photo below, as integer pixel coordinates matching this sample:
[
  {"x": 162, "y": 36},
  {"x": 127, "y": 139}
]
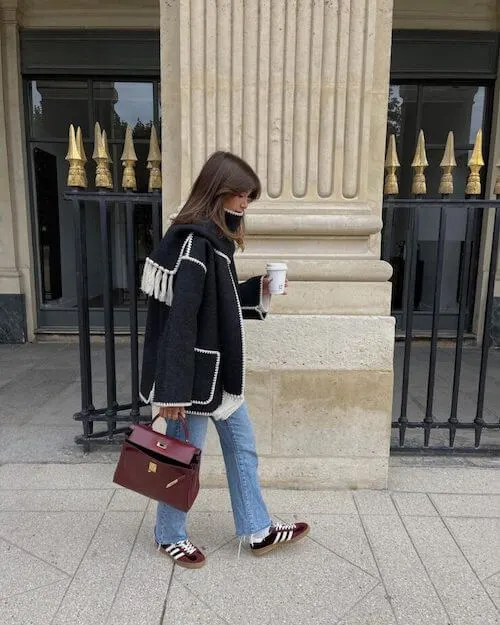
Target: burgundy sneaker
[
  {"x": 280, "y": 534},
  {"x": 184, "y": 554}
]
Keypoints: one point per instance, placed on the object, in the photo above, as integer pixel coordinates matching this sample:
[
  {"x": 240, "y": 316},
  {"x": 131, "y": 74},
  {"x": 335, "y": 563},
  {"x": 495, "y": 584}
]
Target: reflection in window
[
  {"x": 55, "y": 104},
  {"x": 120, "y": 103},
  {"x": 452, "y": 107}
]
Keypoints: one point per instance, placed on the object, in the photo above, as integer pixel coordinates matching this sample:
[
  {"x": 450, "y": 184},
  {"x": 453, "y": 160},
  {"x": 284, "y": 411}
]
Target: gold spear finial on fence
[
  {"x": 103, "y": 179},
  {"x": 129, "y": 159},
  {"x": 81, "y": 148},
  {"x": 447, "y": 164},
  {"x": 476, "y": 163},
  {"x": 154, "y": 162},
  {"x": 76, "y": 173},
  {"x": 419, "y": 163},
  {"x": 391, "y": 165}
]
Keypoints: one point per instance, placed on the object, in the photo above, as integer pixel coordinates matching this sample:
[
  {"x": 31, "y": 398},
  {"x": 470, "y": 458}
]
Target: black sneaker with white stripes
[
  {"x": 280, "y": 534},
  {"x": 184, "y": 554}
]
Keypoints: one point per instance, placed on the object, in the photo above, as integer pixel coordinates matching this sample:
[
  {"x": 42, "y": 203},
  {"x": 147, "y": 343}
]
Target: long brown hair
[{"x": 223, "y": 174}]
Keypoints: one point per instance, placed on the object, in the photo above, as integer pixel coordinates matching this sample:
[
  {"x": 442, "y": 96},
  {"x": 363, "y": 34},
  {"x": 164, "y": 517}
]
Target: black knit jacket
[{"x": 194, "y": 351}]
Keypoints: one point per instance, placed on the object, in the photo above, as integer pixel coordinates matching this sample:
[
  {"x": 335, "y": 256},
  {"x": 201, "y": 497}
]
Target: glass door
[{"x": 436, "y": 109}]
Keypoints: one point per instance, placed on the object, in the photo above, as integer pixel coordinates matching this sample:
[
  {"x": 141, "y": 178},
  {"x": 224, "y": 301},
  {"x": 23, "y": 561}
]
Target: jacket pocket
[{"x": 206, "y": 372}]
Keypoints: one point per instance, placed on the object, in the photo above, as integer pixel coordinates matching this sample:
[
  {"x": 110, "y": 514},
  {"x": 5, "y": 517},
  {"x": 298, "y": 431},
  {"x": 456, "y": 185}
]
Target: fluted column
[{"x": 298, "y": 89}]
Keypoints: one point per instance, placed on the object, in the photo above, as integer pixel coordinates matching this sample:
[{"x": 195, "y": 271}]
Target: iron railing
[
  {"x": 476, "y": 210},
  {"x": 113, "y": 413},
  {"x": 406, "y": 420}
]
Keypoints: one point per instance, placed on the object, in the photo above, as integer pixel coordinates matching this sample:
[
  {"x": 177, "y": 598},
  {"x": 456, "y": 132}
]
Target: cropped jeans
[{"x": 240, "y": 457}]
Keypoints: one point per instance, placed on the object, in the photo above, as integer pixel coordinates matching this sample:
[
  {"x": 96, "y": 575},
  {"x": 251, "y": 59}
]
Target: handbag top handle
[{"x": 185, "y": 426}]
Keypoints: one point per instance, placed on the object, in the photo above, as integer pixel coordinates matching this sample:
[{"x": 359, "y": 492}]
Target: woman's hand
[
  {"x": 172, "y": 412},
  {"x": 265, "y": 286}
]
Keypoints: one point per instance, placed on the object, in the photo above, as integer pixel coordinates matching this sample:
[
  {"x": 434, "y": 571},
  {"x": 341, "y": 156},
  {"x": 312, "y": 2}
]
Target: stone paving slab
[
  {"x": 58, "y": 538},
  {"x": 463, "y": 597},
  {"x": 479, "y": 541},
  {"x": 373, "y": 609},
  {"x": 414, "y": 504},
  {"x": 445, "y": 480},
  {"x": 91, "y": 594},
  {"x": 56, "y": 500},
  {"x": 413, "y": 596},
  {"x": 21, "y": 571},
  {"x": 467, "y": 505},
  {"x": 148, "y": 573},
  {"x": 35, "y": 607}
]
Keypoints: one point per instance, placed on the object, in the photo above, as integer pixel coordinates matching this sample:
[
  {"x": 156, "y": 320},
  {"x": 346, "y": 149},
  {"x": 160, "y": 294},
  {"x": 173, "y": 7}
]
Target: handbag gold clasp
[{"x": 152, "y": 467}]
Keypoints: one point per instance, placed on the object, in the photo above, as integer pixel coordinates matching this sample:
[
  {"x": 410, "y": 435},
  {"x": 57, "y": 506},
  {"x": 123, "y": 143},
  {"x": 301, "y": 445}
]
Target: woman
[{"x": 194, "y": 354}]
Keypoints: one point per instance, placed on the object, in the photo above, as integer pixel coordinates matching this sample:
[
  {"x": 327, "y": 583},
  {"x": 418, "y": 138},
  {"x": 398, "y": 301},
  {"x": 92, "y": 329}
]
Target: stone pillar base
[
  {"x": 12, "y": 318},
  {"x": 319, "y": 390}
]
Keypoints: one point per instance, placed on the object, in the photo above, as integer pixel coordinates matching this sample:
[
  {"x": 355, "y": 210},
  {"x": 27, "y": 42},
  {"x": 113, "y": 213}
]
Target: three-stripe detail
[
  {"x": 175, "y": 552},
  {"x": 283, "y": 536}
]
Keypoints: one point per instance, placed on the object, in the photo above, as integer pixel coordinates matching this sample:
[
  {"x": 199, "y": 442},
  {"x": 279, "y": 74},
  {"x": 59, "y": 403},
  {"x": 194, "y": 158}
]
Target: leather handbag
[{"x": 159, "y": 466}]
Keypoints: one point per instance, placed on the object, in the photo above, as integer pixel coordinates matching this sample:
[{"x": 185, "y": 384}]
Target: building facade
[{"x": 307, "y": 92}]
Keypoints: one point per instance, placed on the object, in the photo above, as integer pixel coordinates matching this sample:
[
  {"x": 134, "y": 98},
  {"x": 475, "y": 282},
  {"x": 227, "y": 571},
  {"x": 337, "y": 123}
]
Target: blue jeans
[{"x": 240, "y": 457}]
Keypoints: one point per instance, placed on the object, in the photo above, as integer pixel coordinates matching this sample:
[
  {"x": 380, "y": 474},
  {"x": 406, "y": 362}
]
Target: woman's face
[{"x": 236, "y": 203}]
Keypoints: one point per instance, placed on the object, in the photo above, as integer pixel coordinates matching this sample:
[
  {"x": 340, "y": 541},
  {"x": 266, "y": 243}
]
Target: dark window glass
[
  {"x": 55, "y": 104},
  {"x": 452, "y": 107}
]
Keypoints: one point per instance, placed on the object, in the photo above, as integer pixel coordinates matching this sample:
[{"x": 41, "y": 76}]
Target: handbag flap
[{"x": 168, "y": 447}]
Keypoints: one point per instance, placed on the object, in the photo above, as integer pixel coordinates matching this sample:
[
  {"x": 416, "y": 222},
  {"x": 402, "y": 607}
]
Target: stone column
[
  {"x": 298, "y": 89},
  {"x": 16, "y": 279}
]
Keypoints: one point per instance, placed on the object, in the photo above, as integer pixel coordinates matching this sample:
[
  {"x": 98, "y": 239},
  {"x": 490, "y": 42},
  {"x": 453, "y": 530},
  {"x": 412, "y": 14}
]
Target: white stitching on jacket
[
  {"x": 210, "y": 352},
  {"x": 195, "y": 260}
]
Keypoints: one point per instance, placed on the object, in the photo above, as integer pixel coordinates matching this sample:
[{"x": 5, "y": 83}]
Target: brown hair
[{"x": 223, "y": 174}]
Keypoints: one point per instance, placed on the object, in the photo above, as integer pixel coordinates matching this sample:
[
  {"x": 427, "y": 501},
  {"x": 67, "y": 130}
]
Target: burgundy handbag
[{"x": 159, "y": 466}]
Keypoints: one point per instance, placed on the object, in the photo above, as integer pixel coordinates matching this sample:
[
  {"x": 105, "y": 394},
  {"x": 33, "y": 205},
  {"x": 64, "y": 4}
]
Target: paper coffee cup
[{"x": 277, "y": 277}]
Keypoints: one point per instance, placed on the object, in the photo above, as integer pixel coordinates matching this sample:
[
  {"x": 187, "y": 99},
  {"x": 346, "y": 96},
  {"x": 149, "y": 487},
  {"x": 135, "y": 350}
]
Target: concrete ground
[{"x": 74, "y": 548}]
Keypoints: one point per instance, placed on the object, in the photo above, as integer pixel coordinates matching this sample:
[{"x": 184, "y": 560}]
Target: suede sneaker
[
  {"x": 184, "y": 554},
  {"x": 280, "y": 534}
]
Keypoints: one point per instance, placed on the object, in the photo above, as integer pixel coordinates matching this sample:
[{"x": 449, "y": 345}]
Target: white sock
[{"x": 258, "y": 537}]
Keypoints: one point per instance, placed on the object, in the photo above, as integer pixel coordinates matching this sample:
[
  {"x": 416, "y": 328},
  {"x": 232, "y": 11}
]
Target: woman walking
[{"x": 194, "y": 353}]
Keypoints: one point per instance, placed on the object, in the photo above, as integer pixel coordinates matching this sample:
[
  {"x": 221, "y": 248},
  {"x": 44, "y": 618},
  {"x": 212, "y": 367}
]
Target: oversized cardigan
[{"x": 194, "y": 345}]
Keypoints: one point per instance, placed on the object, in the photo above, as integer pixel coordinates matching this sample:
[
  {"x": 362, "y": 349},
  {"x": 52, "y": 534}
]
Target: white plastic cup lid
[{"x": 277, "y": 267}]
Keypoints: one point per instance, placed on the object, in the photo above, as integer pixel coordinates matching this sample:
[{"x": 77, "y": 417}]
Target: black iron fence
[
  {"x": 127, "y": 202},
  {"x": 113, "y": 414},
  {"x": 417, "y": 412},
  {"x": 429, "y": 421}
]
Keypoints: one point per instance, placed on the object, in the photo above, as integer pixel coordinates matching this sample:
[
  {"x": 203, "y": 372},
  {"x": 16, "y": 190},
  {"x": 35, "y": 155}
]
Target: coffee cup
[{"x": 277, "y": 277}]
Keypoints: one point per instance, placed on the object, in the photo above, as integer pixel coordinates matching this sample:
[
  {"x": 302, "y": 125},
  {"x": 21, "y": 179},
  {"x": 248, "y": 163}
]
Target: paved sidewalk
[{"x": 75, "y": 549}]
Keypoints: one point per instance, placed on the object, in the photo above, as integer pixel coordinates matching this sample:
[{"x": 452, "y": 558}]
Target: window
[
  {"x": 52, "y": 105},
  {"x": 436, "y": 108}
]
